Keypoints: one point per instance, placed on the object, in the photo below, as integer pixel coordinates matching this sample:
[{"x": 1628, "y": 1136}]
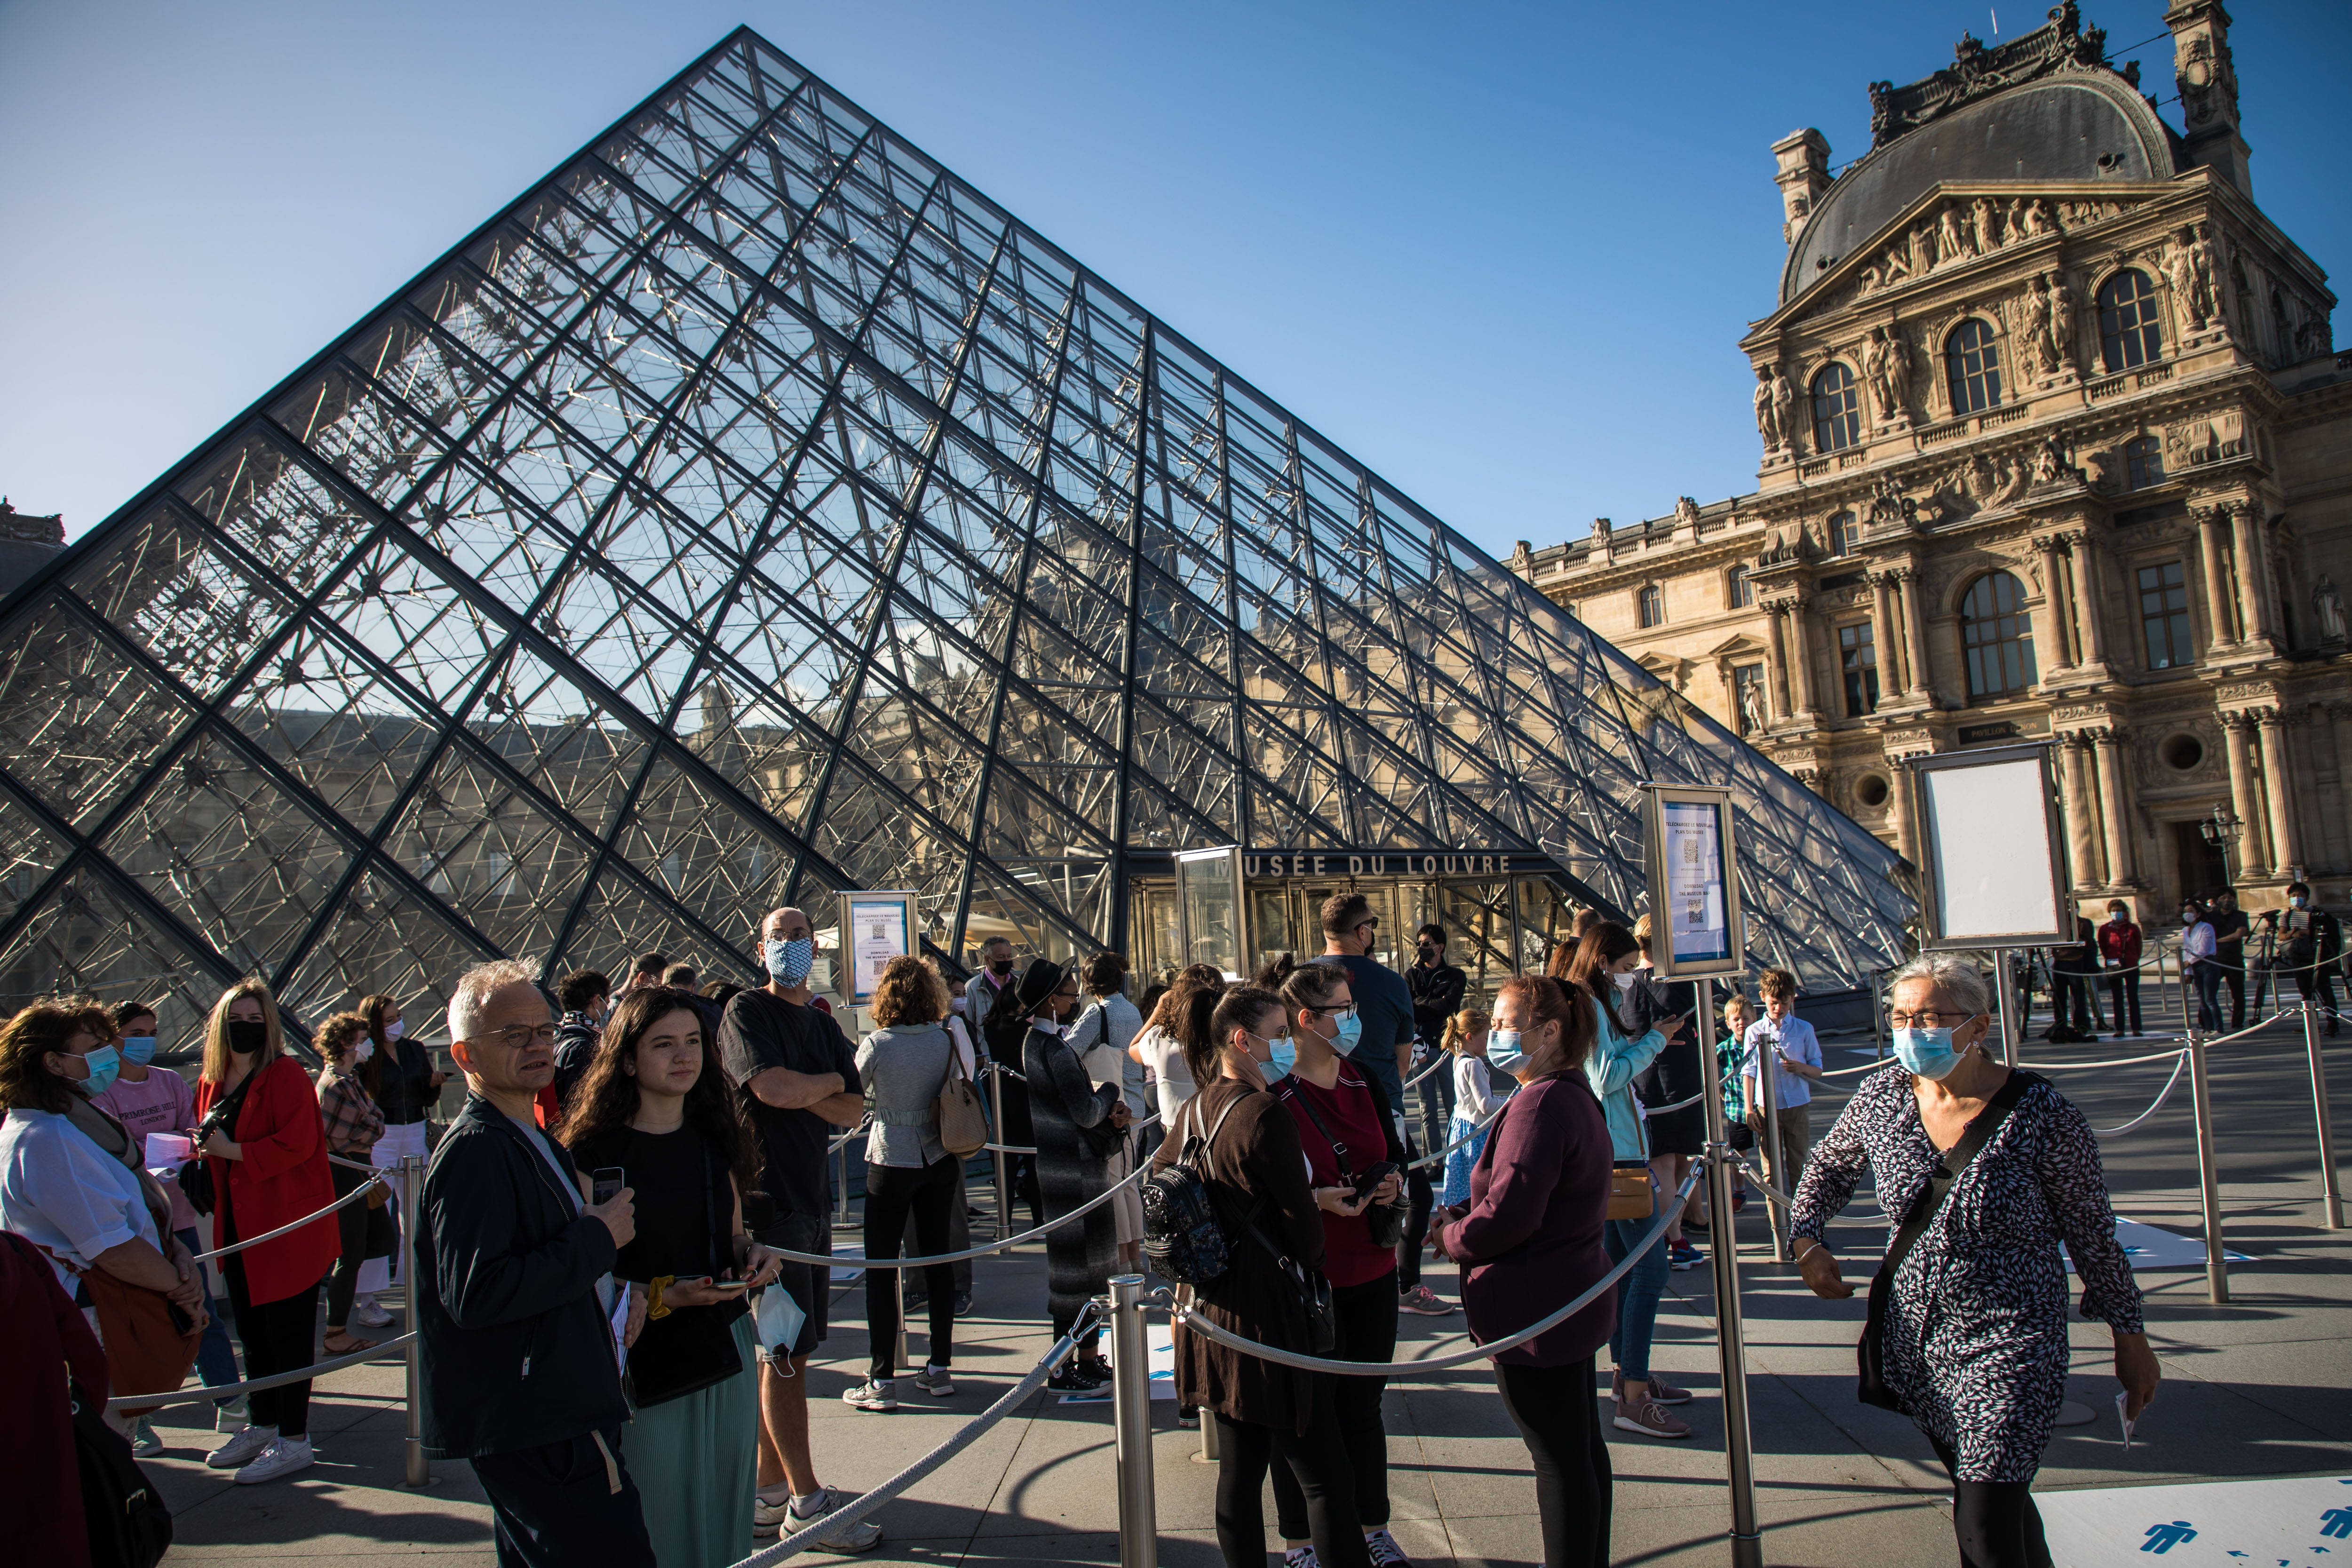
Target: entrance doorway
[{"x": 2204, "y": 868}]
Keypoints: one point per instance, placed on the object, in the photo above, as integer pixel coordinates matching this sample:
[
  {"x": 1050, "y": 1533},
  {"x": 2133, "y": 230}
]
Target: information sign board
[
  {"x": 1694, "y": 869},
  {"x": 1992, "y": 849},
  {"x": 875, "y": 927}
]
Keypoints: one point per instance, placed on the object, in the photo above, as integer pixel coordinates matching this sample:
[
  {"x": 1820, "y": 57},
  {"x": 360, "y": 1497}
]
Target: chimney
[
  {"x": 1804, "y": 157},
  {"x": 2208, "y": 89}
]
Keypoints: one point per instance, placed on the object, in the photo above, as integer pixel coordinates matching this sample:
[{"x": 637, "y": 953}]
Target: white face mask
[
  {"x": 391, "y": 1031},
  {"x": 1624, "y": 981},
  {"x": 366, "y": 1050}
]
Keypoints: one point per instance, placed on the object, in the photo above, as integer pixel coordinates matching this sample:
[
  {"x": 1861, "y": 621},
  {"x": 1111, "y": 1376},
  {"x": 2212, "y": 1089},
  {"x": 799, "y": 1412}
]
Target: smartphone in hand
[
  {"x": 1369, "y": 1181},
  {"x": 604, "y": 1182}
]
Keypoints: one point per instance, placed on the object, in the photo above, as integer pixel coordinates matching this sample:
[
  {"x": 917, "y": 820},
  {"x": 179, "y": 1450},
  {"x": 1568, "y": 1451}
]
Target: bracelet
[{"x": 1802, "y": 1255}]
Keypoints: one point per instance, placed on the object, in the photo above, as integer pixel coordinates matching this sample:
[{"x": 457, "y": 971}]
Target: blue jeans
[
  {"x": 2207, "y": 978},
  {"x": 216, "y": 1362},
  {"x": 1637, "y": 1294}
]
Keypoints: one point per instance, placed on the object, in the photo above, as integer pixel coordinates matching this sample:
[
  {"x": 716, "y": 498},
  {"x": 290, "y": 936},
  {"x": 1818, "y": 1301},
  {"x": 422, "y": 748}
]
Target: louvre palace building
[
  {"x": 2056, "y": 446},
  {"x": 752, "y": 512}
]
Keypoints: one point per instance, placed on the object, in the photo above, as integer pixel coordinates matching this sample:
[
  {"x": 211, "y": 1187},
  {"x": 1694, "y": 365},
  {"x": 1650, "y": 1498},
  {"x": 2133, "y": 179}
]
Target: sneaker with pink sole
[
  {"x": 1650, "y": 1419},
  {"x": 1425, "y": 1302}
]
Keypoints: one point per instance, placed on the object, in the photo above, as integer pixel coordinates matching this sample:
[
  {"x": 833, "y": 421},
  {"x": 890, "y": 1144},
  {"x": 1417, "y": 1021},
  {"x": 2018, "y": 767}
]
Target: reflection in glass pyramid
[{"x": 753, "y": 512}]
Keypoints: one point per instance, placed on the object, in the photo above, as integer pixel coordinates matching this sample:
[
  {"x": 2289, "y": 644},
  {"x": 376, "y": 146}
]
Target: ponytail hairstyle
[
  {"x": 1555, "y": 1001},
  {"x": 1603, "y": 945},
  {"x": 1461, "y": 1026},
  {"x": 1303, "y": 986},
  {"x": 1243, "y": 1007}
]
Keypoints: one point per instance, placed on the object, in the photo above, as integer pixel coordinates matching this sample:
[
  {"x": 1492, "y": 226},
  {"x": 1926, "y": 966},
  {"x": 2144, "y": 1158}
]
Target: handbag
[
  {"x": 1383, "y": 1222},
  {"x": 1870, "y": 1353},
  {"x": 149, "y": 1338},
  {"x": 129, "y": 1526},
  {"x": 963, "y": 1125},
  {"x": 196, "y": 1177},
  {"x": 1632, "y": 1195}
]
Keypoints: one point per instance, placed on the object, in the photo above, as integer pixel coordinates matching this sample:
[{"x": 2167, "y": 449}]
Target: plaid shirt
[{"x": 352, "y": 1121}]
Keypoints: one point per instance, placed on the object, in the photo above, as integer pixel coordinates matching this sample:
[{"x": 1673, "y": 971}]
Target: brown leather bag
[
  {"x": 149, "y": 1340},
  {"x": 963, "y": 1125},
  {"x": 1631, "y": 1194}
]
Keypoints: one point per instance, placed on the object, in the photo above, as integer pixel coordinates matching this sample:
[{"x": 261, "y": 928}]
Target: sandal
[{"x": 352, "y": 1345}]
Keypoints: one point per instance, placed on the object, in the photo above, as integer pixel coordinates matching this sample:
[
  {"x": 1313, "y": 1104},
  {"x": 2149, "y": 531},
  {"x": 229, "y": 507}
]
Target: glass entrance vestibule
[{"x": 1502, "y": 912}]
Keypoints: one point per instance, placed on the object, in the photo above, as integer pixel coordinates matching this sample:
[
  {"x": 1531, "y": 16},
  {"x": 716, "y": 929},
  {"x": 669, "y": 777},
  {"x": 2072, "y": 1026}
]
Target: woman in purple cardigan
[{"x": 1531, "y": 1242}]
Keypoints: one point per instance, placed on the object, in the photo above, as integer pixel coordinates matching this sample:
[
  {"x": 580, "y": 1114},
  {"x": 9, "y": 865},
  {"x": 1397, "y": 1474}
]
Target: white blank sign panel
[{"x": 1992, "y": 850}]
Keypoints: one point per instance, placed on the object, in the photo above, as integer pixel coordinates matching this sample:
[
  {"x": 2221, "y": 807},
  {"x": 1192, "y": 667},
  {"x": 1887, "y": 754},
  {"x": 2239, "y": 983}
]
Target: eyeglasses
[
  {"x": 1342, "y": 1014},
  {"x": 1927, "y": 1018},
  {"x": 515, "y": 1037}
]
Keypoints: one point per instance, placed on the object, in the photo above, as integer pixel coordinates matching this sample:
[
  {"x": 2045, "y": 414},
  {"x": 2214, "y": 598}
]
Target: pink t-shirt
[{"x": 165, "y": 1103}]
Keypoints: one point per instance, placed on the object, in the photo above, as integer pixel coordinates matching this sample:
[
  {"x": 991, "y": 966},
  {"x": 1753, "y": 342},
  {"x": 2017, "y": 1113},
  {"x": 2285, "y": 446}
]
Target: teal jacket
[{"x": 1610, "y": 1069}]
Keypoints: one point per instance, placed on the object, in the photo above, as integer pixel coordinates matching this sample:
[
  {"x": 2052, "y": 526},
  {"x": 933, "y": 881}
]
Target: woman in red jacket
[
  {"x": 2119, "y": 945},
  {"x": 269, "y": 1162}
]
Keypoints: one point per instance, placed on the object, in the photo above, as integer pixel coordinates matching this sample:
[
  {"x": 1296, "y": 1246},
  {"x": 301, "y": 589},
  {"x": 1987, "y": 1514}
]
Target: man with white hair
[
  {"x": 798, "y": 1080},
  {"x": 519, "y": 1373}
]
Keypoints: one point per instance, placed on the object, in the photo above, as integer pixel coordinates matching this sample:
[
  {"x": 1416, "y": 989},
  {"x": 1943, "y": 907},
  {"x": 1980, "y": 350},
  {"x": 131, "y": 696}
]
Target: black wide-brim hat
[{"x": 1038, "y": 981}]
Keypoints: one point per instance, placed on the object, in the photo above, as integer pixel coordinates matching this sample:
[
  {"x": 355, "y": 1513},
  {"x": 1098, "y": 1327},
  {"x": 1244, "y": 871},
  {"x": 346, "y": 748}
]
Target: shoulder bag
[
  {"x": 1182, "y": 1233},
  {"x": 129, "y": 1526},
  {"x": 149, "y": 1338},
  {"x": 963, "y": 1125},
  {"x": 196, "y": 1177},
  {"x": 1384, "y": 1222},
  {"x": 1870, "y": 1355}
]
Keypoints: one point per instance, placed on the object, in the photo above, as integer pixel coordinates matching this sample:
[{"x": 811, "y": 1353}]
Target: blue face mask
[
  {"x": 1926, "y": 1052},
  {"x": 139, "y": 1049},
  {"x": 104, "y": 1063},
  {"x": 1351, "y": 1030},
  {"x": 790, "y": 962},
  {"x": 1285, "y": 1056},
  {"x": 1503, "y": 1053}
]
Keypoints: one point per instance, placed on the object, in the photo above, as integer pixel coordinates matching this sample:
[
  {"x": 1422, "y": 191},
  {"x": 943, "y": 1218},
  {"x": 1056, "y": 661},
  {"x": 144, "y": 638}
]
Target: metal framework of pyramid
[{"x": 751, "y": 511}]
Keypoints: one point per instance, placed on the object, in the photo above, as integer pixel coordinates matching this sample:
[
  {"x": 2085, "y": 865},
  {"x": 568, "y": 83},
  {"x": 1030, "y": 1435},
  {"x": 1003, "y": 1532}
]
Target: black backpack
[
  {"x": 128, "y": 1525},
  {"x": 1182, "y": 1233}
]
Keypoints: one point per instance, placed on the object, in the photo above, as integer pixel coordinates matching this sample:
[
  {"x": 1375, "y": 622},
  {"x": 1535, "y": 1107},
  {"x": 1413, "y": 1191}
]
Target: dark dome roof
[{"x": 2056, "y": 129}]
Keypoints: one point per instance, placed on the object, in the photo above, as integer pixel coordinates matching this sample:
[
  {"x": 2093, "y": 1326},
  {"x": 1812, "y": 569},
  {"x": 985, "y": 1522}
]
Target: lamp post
[{"x": 2223, "y": 830}]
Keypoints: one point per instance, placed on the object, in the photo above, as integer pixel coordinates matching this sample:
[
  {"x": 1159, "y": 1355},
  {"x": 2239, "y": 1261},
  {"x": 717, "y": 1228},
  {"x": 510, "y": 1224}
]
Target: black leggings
[
  {"x": 1318, "y": 1458},
  {"x": 278, "y": 1336},
  {"x": 1419, "y": 1197},
  {"x": 366, "y": 1233},
  {"x": 892, "y": 1193},
  {"x": 1996, "y": 1521},
  {"x": 1554, "y": 1409},
  {"x": 1366, "y": 1316}
]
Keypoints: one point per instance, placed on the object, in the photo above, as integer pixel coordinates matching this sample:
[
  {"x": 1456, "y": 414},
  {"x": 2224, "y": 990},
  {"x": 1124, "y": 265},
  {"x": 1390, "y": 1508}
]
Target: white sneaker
[
  {"x": 862, "y": 1536},
  {"x": 144, "y": 1441},
  {"x": 232, "y": 1416},
  {"x": 877, "y": 1394},
  {"x": 282, "y": 1458},
  {"x": 766, "y": 1515},
  {"x": 241, "y": 1449},
  {"x": 368, "y": 1315}
]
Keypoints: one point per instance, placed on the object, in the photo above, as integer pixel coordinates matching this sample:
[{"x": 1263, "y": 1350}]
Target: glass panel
[
  {"x": 1207, "y": 885},
  {"x": 86, "y": 938}
]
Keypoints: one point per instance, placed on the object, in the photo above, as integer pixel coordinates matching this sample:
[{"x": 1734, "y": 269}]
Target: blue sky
[{"x": 1501, "y": 252}]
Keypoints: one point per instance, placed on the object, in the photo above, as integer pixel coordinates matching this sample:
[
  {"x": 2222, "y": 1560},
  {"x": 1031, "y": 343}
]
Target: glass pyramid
[{"x": 754, "y": 510}]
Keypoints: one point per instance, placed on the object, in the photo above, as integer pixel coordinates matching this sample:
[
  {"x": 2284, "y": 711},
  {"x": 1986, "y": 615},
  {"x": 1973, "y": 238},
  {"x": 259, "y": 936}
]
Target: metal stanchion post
[
  {"x": 840, "y": 1186},
  {"x": 412, "y": 1220},
  {"x": 1004, "y": 1167},
  {"x": 2005, "y": 988},
  {"x": 1877, "y": 1014},
  {"x": 1731, "y": 1346},
  {"x": 2209, "y": 1179},
  {"x": 2332, "y": 1194},
  {"x": 1130, "y": 1392}
]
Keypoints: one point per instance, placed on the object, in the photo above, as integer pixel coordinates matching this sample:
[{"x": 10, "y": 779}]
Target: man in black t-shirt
[
  {"x": 2229, "y": 929},
  {"x": 798, "y": 1079}
]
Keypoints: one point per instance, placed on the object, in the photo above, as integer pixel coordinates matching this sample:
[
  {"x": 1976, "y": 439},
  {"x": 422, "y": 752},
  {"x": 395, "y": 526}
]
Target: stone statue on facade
[
  {"x": 2213, "y": 276},
  {"x": 1774, "y": 398},
  {"x": 1686, "y": 514},
  {"x": 2179, "y": 265},
  {"x": 1985, "y": 219},
  {"x": 2061, "y": 322},
  {"x": 2034, "y": 321},
  {"x": 1600, "y": 534},
  {"x": 1951, "y": 237},
  {"x": 2327, "y": 609},
  {"x": 1887, "y": 363},
  {"x": 1752, "y": 708}
]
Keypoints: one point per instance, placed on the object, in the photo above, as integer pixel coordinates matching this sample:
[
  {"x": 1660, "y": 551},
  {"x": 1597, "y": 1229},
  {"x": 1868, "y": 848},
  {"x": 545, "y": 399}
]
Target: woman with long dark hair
[
  {"x": 1180, "y": 1017},
  {"x": 651, "y": 1106},
  {"x": 1604, "y": 967},
  {"x": 269, "y": 1162},
  {"x": 1077, "y": 1126}
]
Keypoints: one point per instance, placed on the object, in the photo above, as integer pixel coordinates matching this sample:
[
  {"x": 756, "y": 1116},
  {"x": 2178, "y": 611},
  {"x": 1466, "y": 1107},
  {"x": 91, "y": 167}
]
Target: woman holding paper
[
  {"x": 649, "y": 1107},
  {"x": 1990, "y": 1169}
]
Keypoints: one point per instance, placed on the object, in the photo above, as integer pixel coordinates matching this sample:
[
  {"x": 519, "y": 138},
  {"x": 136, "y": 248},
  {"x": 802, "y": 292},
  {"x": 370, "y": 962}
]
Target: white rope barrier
[
  {"x": 1480, "y": 1126},
  {"x": 2119, "y": 1062},
  {"x": 1097, "y": 1200},
  {"x": 2162, "y": 1094},
  {"x": 359, "y": 1191},
  {"x": 201, "y": 1394},
  {"x": 1190, "y": 1319},
  {"x": 963, "y": 1438}
]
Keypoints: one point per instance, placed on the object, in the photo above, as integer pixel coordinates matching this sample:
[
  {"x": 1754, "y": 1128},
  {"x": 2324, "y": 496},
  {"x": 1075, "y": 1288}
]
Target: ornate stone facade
[{"x": 2061, "y": 448}]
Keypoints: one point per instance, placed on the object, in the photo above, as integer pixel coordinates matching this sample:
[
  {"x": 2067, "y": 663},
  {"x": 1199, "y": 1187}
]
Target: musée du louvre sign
[{"x": 1261, "y": 863}]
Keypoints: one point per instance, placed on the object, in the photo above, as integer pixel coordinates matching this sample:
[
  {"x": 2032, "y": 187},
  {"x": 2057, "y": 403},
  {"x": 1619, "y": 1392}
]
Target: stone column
[
  {"x": 2253, "y": 856},
  {"x": 2219, "y": 616},
  {"x": 2111, "y": 805},
  {"x": 2286, "y": 843},
  {"x": 2254, "y": 610},
  {"x": 1800, "y": 658},
  {"x": 1776, "y": 662},
  {"x": 2080, "y": 847},
  {"x": 2340, "y": 715},
  {"x": 2091, "y": 637},
  {"x": 2049, "y": 624},
  {"x": 1914, "y": 636},
  {"x": 1906, "y": 836},
  {"x": 1891, "y": 663}
]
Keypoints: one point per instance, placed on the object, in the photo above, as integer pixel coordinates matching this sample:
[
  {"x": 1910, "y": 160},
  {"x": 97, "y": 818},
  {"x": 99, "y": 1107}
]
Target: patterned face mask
[{"x": 790, "y": 962}]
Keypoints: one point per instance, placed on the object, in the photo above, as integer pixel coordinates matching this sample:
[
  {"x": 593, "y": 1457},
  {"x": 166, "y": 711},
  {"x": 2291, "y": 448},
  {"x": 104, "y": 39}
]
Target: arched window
[
  {"x": 2143, "y": 462},
  {"x": 1996, "y": 637},
  {"x": 1837, "y": 409},
  {"x": 1972, "y": 367},
  {"x": 1742, "y": 590},
  {"x": 2129, "y": 332},
  {"x": 1845, "y": 531},
  {"x": 1654, "y": 605}
]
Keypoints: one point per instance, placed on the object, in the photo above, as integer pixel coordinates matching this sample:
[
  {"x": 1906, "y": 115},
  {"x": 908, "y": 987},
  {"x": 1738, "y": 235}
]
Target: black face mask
[
  {"x": 1000, "y": 968},
  {"x": 245, "y": 1037},
  {"x": 1429, "y": 955}
]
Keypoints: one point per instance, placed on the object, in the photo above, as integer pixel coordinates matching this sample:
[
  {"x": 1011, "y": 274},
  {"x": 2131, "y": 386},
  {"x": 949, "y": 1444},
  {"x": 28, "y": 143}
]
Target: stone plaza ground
[{"x": 2261, "y": 1387}]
